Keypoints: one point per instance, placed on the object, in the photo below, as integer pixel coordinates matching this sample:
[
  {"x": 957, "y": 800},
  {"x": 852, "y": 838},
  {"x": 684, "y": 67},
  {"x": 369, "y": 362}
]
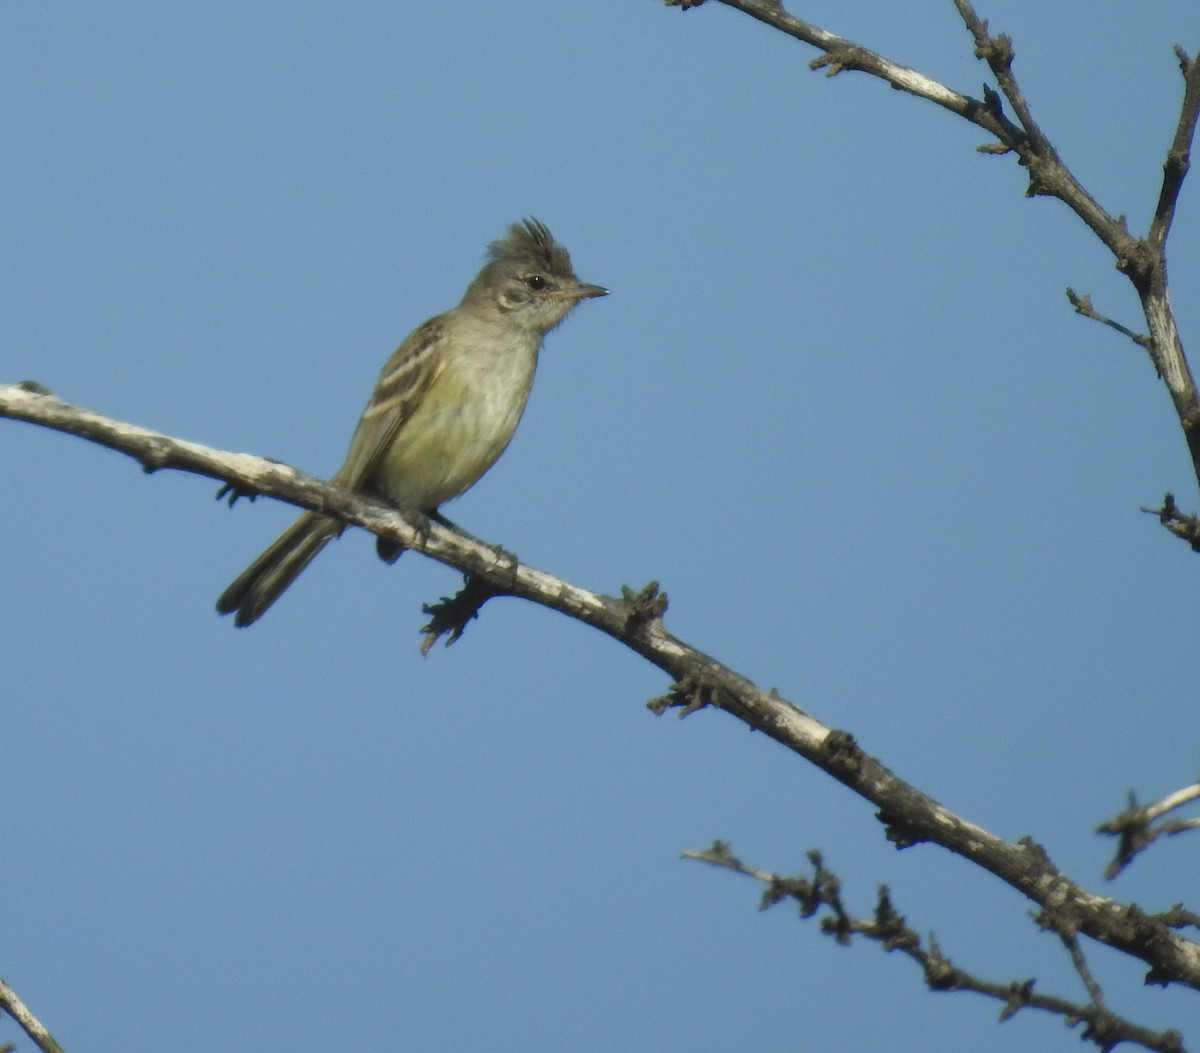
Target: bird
[{"x": 444, "y": 408}]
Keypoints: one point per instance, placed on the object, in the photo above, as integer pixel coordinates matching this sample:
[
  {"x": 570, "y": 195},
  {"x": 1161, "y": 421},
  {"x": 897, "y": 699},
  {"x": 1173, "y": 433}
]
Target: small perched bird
[{"x": 444, "y": 408}]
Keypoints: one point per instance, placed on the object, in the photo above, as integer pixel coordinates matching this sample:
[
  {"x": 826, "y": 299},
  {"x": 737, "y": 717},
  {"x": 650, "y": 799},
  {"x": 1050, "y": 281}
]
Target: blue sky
[{"x": 837, "y": 404}]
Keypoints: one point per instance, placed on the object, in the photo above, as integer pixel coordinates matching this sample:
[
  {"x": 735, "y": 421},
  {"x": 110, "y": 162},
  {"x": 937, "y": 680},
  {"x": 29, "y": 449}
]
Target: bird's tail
[{"x": 262, "y": 583}]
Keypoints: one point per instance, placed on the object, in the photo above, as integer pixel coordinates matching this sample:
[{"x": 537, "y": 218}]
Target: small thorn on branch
[
  {"x": 891, "y": 927},
  {"x": 1132, "y": 827},
  {"x": 993, "y": 102},
  {"x": 838, "y": 58},
  {"x": 718, "y": 854},
  {"x": 1019, "y": 996},
  {"x": 449, "y": 616},
  {"x": 231, "y": 493},
  {"x": 688, "y": 694},
  {"x": 843, "y": 752},
  {"x": 995, "y": 51},
  {"x": 898, "y": 831},
  {"x": 1138, "y": 826},
  {"x": 648, "y": 604},
  {"x": 1179, "y": 523},
  {"x": 940, "y": 973},
  {"x": 1178, "y": 917}
]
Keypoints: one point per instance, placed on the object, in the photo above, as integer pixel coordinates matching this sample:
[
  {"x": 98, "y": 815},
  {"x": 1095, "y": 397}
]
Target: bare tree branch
[
  {"x": 1136, "y": 829},
  {"x": 998, "y": 53},
  {"x": 1179, "y": 523},
  {"x": 1083, "y": 306},
  {"x": 1175, "y": 168},
  {"x": 1047, "y": 174},
  {"x": 1142, "y": 260},
  {"x": 700, "y": 681},
  {"x": 1102, "y": 1027},
  {"x": 30, "y": 1024}
]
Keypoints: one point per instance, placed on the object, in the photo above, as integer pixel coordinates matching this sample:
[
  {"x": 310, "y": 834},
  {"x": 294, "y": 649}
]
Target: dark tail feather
[{"x": 261, "y": 583}]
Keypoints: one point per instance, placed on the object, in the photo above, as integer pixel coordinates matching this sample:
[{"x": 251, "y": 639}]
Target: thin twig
[
  {"x": 1083, "y": 306},
  {"x": 1178, "y": 161},
  {"x": 1137, "y": 826},
  {"x": 889, "y": 928},
  {"x": 1071, "y": 942},
  {"x": 997, "y": 52}
]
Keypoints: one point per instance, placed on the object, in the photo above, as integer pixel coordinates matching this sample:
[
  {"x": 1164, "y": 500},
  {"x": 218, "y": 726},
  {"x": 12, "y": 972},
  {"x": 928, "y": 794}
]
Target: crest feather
[{"x": 531, "y": 242}]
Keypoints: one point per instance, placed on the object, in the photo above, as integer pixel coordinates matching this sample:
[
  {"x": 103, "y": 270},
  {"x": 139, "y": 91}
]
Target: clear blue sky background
[{"x": 837, "y": 404}]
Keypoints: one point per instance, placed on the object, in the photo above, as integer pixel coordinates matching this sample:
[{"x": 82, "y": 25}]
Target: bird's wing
[{"x": 403, "y": 381}]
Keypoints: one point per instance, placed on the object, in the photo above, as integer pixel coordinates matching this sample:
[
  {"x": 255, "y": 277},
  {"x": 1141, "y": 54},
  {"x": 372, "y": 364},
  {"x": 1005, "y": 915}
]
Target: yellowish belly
[{"x": 462, "y": 425}]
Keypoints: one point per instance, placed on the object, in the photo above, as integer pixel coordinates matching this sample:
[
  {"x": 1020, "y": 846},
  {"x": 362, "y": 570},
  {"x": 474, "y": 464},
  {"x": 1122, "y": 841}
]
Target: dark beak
[{"x": 583, "y": 291}]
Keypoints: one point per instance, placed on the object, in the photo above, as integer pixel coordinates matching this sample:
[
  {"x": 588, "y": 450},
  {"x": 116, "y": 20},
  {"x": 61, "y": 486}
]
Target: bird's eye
[{"x": 536, "y": 281}]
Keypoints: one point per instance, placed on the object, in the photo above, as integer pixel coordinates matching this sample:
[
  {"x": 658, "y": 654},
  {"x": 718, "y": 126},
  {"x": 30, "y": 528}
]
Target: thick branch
[
  {"x": 700, "y": 680},
  {"x": 30, "y": 1024}
]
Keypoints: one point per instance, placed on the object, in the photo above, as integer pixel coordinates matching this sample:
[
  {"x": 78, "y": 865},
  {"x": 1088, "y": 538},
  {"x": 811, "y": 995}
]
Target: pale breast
[{"x": 460, "y": 427}]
